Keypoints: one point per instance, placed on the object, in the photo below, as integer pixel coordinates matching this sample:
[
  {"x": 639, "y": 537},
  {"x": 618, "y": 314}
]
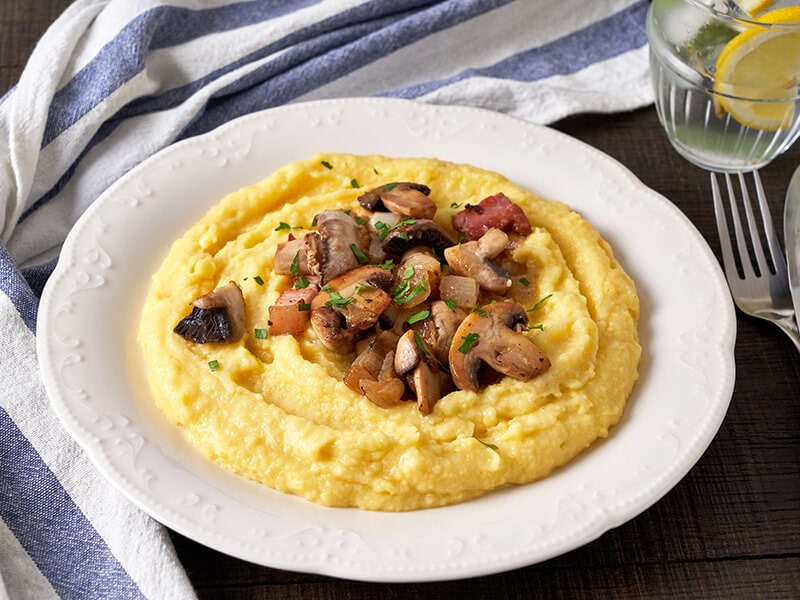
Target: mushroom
[
  {"x": 414, "y": 357},
  {"x": 216, "y": 317},
  {"x": 332, "y": 331},
  {"x": 474, "y": 259},
  {"x": 403, "y": 198},
  {"x": 372, "y": 372},
  {"x": 342, "y": 243},
  {"x": 439, "y": 329},
  {"x": 359, "y": 295},
  {"x": 421, "y": 232},
  {"x": 492, "y": 337}
]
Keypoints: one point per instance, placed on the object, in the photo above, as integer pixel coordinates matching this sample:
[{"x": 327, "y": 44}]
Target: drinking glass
[{"x": 718, "y": 119}]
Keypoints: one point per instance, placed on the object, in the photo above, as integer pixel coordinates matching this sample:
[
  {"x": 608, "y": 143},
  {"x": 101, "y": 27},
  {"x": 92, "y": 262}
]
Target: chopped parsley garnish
[
  {"x": 326, "y": 288},
  {"x": 354, "y": 183},
  {"x": 455, "y": 204},
  {"x": 304, "y": 307},
  {"x": 359, "y": 220},
  {"x": 294, "y": 268},
  {"x": 538, "y": 305},
  {"x": 469, "y": 341},
  {"x": 388, "y": 265},
  {"x": 326, "y": 164},
  {"x": 478, "y": 309},
  {"x": 384, "y": 229},
  {"x": 411, "y": 294},
  {"x": 338, "y": 300},
  {"x": 283, "y": 225},
  {"x": 213, "y": 365},
  {"x": 389, "y": 187},
  {"x": 314, "y": 221},
  {"x": 421, "y": 345},
  {"x": 451, "y": 304},
  {"x": 524, "y": 281},
  {"x": 258, "y": 280},
  {"x": 360, "y": 256},
  {"x": 418, "y": 316},
  {"x": 302, "y": 282},
  {"x": 540, "y": 327},
  {"x": 362, "y": 286},
  {"x": 261, "y": 334},
  {"x": 488, "y": 445}
]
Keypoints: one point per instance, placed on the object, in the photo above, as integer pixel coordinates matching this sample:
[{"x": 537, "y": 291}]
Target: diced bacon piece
[
  {"x": 493, "y": 212},
  {"x": 291, "y": 312}
]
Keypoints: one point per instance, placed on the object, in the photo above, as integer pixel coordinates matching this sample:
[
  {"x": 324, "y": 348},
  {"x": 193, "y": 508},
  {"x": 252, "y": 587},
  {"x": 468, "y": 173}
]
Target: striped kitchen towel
[{"x": 114, "y": 81}]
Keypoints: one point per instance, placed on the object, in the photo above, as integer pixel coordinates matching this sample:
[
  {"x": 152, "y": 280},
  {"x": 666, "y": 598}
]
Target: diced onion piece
[
  {"x": 461, "y": 290},
  {"x": 387, "y": 218}
]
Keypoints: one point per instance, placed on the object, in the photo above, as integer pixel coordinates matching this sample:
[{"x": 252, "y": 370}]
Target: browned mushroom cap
[
  {"x": 332, "y": 331},
  {"x": 474, "y": 259},
  {"x": 490, "y": 337},
  {"x": 403, "y": 198},
  {"x": 349, "y": 304},
  {"x": 216, "y": 317},
  {"x": 359, "y": 295},
  {"x": 413, "y": 356},
  {"x": 439, "y": 329},
  {"x": 427, "y": 385},
  {"x": 421, "y": 232},
  {"x": 341, "y": 242}
]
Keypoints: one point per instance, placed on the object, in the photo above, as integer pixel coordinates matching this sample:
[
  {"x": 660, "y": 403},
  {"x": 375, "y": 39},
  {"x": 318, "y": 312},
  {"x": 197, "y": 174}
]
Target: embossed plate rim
[{"x": 95, "y": 388}]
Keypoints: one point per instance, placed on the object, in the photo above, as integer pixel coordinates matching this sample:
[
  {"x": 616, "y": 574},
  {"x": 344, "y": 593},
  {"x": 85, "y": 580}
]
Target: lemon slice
[
  {"x": 753, "y": 7},
  {"x": 762, "y": 65}
]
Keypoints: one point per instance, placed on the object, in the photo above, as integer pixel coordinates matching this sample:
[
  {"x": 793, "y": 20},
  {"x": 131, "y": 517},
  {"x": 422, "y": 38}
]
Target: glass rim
[{"x": 750, "y": 23}]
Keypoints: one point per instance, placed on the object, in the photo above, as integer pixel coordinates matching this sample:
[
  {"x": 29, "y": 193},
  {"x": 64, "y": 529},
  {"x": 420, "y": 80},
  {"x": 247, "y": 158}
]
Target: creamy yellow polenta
[{"x": 276, "y": 410}]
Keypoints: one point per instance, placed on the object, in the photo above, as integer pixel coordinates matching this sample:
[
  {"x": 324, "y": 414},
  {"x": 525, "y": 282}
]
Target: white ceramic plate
[{"x": 89, "y": 362}]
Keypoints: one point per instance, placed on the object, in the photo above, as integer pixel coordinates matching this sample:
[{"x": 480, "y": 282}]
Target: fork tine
[
  {"x": 775, "y": 252},
  {"x": 728, "y": 260},
  {"x": 741, "y": 244},
  {"x": 752, "y": 228}
]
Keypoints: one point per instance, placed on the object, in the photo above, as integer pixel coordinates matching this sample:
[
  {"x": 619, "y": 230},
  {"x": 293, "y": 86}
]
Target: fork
[{"x": 758, "y": 281}]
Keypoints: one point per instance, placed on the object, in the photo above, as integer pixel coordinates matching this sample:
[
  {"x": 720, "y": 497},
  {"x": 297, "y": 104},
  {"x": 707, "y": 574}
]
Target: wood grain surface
[{"x": 729, "y": 529}]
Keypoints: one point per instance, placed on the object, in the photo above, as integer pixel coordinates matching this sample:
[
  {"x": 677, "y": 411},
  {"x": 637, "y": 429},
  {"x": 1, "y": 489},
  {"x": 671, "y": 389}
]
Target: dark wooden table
[{"x": 729, "y": 529}]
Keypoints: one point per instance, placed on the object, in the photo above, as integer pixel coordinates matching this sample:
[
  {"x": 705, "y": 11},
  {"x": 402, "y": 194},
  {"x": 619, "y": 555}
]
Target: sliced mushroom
[
  {"x": 492, "y": 337},
  {"x": 359, "y": 295},
  {"x": 427, "y": 385},
  {"x": 332, "y": 331},
  {"x": 402, "y": 198},
  {"x": 216, "y": 317},
  {"x": 414, "y": 358},
  {"x": 474, "y": 259},
  {"x": 342, "y": 242},
  {"x": 421, "y": 232},
  {"x": 406, "y": 354},
  {"x": 372, "y": 372},
  {"x": 439, "y": 329}
]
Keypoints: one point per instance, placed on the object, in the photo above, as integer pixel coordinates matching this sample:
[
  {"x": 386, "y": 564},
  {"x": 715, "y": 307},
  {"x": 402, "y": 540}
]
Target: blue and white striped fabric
[{"x": 114, "y": 81}]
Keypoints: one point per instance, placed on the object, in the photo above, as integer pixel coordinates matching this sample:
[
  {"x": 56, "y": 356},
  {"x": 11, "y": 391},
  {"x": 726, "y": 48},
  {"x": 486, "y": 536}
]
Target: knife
[{"x": 791, "y": 237}]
